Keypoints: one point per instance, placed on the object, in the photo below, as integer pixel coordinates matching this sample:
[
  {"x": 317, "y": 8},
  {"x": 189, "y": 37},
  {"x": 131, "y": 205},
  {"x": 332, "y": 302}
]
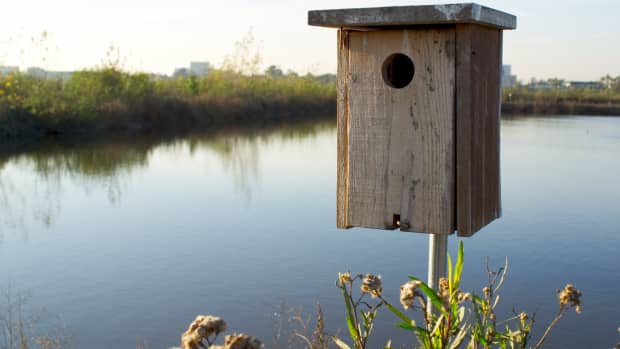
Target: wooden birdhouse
[{"x": 418, "y": 116}]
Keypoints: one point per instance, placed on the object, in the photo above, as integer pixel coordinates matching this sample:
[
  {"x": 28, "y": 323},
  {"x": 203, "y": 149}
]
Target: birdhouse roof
[{"x": 396, "y": 16}]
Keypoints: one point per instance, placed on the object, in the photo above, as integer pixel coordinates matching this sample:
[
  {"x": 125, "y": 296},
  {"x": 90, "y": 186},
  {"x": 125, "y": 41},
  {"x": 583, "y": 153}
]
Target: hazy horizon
[{"x": 572, "y": 40}]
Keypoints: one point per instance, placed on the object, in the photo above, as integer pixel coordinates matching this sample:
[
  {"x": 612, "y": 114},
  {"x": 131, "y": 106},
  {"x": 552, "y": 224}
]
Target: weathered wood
[
  {"x": 343, "y": 131},
  {"x": 400, "y": 141},
  {"x": 478, "y": 73},
  {"x": 413, "y": 16}
]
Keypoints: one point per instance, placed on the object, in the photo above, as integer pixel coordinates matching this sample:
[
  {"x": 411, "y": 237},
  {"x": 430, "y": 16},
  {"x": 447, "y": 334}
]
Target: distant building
[
  {"x": 6, "y": 70},
  {"x": 155, "y": 76},
  {"x": 199, "y": 68},
  {"x": 51, "y": 75},
  {"x": 539, "y": 85},
  {"x": 508, "y": 80},
  {"x": 593, "y": 85},
  {"x": 36, "y": 72},
  {"x": 180, "y": 72}
]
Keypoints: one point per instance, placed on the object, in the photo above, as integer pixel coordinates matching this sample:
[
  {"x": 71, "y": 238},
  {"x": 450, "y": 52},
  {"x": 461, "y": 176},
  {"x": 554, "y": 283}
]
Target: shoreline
[
  {"x": 164, "y": 118},
  {"x": 27, "y": 142},
  {"x": 536, "y": 108},
  {"x": 183, "y": 118}
]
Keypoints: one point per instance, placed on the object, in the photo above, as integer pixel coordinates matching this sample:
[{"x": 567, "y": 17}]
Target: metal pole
[{"x": 437, "y": 256}]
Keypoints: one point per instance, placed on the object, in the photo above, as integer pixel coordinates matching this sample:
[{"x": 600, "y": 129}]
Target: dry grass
[{"x": 109, "y": 100}]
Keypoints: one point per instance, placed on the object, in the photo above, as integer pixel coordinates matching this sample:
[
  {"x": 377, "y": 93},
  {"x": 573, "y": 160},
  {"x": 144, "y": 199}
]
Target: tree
[
  {"x": 556, "y": 82},
  {"x": 274, "y": 72}
]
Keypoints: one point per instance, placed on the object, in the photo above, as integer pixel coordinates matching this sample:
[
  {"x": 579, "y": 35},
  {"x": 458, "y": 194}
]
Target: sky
[{"x": 570, "y": 39}]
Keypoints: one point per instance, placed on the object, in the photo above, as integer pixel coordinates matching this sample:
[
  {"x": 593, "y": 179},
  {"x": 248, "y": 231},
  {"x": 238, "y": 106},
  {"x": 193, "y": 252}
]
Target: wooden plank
[
  {"x": 478, "y": 73},
  {"x": 342, "y": 181},
  {"x": 401, "y": 141},
  {"x": 497, "y": 136},
  {"x": 368, "y": 136},
  {"x": 420, "y": 15},
  {"x": 463, "y": 129}
]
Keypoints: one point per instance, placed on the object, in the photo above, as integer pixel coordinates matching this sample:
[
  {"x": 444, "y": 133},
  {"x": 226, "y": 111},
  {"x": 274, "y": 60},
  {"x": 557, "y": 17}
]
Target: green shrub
[{"x": 452, "y": 318}]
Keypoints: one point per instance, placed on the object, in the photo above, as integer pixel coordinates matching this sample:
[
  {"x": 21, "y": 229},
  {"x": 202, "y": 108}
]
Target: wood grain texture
[
  {"x": 419, "y": 15},
  {"x": 342, "y": 181},
  {"x": 478, "y": 73},
  {"x": 400, "y": 142}
]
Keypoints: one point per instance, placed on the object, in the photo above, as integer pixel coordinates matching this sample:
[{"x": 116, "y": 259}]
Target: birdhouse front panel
[{"x": 397, "y": 155}]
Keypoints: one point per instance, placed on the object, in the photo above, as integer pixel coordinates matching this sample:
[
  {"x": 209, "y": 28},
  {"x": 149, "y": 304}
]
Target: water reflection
[{"x": 32, "y": 178}]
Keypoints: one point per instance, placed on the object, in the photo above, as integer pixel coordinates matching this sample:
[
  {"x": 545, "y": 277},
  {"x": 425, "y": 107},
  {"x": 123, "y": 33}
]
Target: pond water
[{"x": 127, "y": 241}]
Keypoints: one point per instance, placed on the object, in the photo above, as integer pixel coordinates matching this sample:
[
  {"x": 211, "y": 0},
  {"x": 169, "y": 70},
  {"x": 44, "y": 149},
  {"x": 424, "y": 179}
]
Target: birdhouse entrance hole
[{"x": 398, "y": 70}]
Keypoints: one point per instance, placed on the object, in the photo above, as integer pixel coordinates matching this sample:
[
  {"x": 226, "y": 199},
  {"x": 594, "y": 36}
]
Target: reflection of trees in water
[
  {"x": 98, "y": 166},
  {"x": 22, "y": 326},
  {"x": 16, "y": 204},
  {"x": 239, "y": 150},
  {"x": 41, "y": 173},
  {"x": 240, "y": 158},
  {"x": 110, "y": 164}
]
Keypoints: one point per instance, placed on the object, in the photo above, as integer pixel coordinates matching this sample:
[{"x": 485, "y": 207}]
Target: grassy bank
[
  {"x": 111, "y": 101},
  {"x": 521, "y": 100}
]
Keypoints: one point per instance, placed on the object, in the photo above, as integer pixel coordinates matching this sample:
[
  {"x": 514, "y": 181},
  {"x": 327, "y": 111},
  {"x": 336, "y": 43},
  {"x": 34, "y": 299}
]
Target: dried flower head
[
  {"x": 408, "y": 292},
  {"x": 443, "y": 284},
  {"x": 241, "y": 341},
  {"x": 487, "y": 292},
  {"x": 490, "y": 332},
  {"x": 190, "y": 340},
  {"x": 344, "y": 278},
  {"x": 523, "y": 318},
  {"x": 372, "y": 284},
  {"x": 201, "y": 328},
  {"x": 212, "y": 325},
  {"x": 463, "y": 296},
  {"x": 570, "y": 296}
]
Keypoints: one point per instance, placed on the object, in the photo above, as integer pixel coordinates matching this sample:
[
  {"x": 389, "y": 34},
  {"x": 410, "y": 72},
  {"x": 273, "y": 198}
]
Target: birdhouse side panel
[
  {"x": 479, "y": 59},
  {"x": 342, "y": 181},
  {"x": 398, "y": 170}
]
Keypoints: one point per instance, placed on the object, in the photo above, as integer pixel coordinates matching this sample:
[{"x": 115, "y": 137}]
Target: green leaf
[
  {"x": 398, "y": 313},
  {"x": 477, "y": 299},
  {"x": 352, "y": 329},
  {"x": 483, "y": 340},
  {"x": 431, "y": 294},
  {"x": 450, "y": 279},
  {"x": 340, "y": 343},
  {"x": 437, "y": 324},
  {"x": 458, "y": 270},
  {"x": 350, "y": 318},
  {"x": 437, "y": 342},
  {"x": 419, "y": 331},
  {"x": 405, "y": 325},
  {"x": 365, "y": 319},
  {"x": 458, "y": 339}
]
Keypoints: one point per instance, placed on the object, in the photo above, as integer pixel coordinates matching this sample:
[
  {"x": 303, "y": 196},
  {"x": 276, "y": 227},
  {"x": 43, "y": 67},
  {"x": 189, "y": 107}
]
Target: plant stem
[{"x": 553, "y": 323}]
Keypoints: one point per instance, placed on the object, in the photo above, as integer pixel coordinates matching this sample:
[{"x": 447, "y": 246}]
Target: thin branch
[{"x": 553, "y": 323}]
